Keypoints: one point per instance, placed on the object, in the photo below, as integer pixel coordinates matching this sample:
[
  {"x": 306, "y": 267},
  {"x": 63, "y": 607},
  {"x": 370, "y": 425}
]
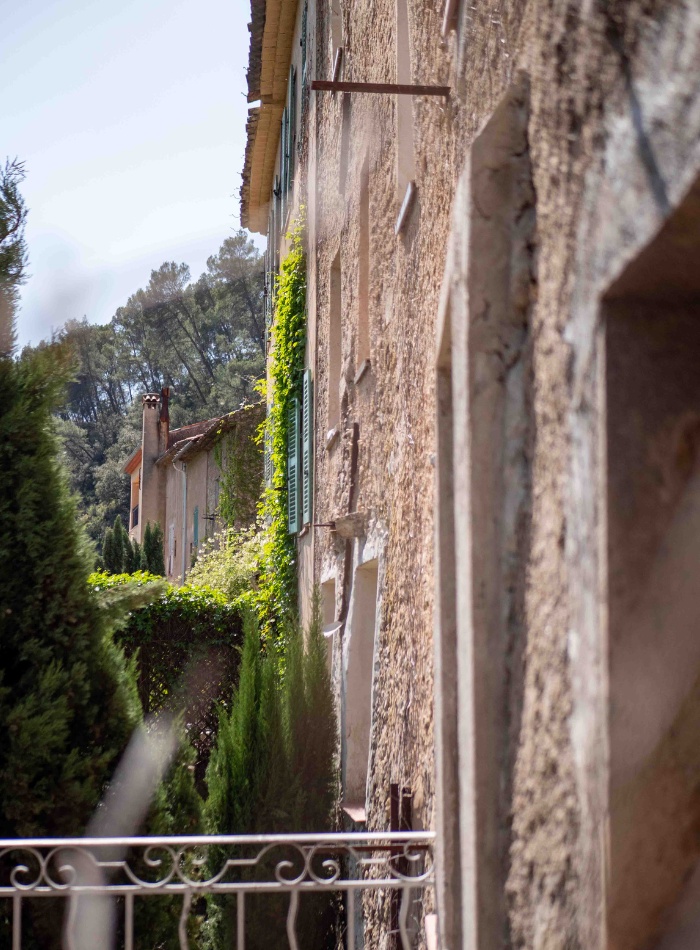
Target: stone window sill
[{"x": 356, "y": 813}]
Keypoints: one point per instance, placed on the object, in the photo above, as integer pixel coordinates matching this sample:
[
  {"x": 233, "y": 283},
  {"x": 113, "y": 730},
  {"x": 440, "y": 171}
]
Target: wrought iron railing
[{"x": 93, "y": 874}]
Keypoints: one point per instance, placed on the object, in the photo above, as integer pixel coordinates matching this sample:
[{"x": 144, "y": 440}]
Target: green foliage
[
  {"x": 109, "y": 556},
  {"x": 152, "y": 555},
  {"x": 238, "y": 454},
  {"x": 13, "y": 249},
  {"x": 191, "y": 614},
  {"x": 276, "y": 597},
  {"x": 273, "y": 771},
  {"x": 66, "y": 710},
  {"x": 186, "y": 642},
  {"x": 229, "y": 562},
  {"x": 203, "y": 337},
  {"x": 120, "y": 542},
  {"x": 122, "y": 555},
  {"x": 66, "y": 703},
  {"x": 68, "y": 698},
  {"x": 133, "y": 557}
]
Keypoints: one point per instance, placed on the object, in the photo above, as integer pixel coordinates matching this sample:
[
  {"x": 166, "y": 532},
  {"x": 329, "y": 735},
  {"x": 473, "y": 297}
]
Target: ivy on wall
[
  {"x": 238, "y": 454},
  {"x": 276, "y": 595}
]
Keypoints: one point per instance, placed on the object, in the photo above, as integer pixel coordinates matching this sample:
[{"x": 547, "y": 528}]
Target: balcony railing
[{"x": 93, "y": 874}]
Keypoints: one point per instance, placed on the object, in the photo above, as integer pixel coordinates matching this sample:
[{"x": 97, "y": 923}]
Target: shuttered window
[
  {"x": 293, "y": 486},
  {"x": 287, "y": 146},
  {"x": 304, "y": 26},
  {"x": 291, "y": 125},
  {"x": 307, "y": 448},
  {"x": 283, "y": 169},
  {"x": 195, "y": 528}
]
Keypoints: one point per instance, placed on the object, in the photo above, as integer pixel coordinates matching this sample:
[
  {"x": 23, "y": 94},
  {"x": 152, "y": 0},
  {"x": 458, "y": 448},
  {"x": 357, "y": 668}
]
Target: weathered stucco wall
[{"x": 202, "y": 494}]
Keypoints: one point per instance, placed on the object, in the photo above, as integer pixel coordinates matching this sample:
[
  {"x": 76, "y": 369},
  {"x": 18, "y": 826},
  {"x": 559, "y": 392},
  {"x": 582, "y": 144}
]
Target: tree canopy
[{"x": 203, "y": 338}]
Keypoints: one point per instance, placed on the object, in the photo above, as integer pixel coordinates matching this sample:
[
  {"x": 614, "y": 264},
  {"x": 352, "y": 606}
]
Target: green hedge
[{"x": 186, "y": 642}]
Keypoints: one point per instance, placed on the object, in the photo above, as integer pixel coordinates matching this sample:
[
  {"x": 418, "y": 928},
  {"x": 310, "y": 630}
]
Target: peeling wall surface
[{"x": 516, "y": 447}]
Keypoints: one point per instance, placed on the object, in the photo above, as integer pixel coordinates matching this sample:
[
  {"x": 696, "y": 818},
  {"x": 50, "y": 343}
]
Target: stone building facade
[
  {"x": 503, "y": 301},
  {"x": 176, "y": 478}
]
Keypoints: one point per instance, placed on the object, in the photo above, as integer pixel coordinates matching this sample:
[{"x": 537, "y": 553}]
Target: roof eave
[{"x": 268, "y": 73}]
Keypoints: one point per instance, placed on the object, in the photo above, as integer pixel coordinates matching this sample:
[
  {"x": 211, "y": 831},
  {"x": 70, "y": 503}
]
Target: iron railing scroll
[{"x": 96, "y": 875}]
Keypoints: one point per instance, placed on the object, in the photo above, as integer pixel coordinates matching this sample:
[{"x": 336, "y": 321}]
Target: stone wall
[{"x": 612, "y": 140}]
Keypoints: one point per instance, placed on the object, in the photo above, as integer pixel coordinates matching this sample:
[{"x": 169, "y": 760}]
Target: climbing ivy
[
  {"x": 276, "y": 595},
  {"x": 238, "y": 454}
]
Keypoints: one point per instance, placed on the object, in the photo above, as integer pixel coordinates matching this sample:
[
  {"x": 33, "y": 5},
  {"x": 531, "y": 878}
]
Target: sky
[{"x": 130, "y": 118}]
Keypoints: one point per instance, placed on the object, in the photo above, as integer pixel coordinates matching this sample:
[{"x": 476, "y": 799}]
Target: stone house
[
  {"x": 503, "y": 304},
  {"x": 176, "y": 478}
]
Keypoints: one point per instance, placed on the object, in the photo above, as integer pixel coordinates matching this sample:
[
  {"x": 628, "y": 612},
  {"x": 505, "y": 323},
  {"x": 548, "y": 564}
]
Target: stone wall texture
[{"x": 613, "y": 139}]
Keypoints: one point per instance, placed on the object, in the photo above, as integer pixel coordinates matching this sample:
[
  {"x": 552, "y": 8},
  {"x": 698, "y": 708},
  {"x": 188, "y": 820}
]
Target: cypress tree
[
  {"x": 108, "y": 558},
  {"x": 273, "y": 771},
  {"x": 146, "y": 545},
  {"x": 128, "y": 564},
  {"x": 68, "y": 700},
  {"x": 314, "y": 735},
  {"x": 66, "y": 703},
  {"x": 139, "y": 564},
  {"x": 121, "y": 540},
  {"x": 153, "y": 549},
  {"x": 132, "y": 555}
]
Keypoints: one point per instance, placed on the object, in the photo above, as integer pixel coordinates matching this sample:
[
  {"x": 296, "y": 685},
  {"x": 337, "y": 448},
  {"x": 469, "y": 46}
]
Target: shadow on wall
[{"x": 652, "y": 326}]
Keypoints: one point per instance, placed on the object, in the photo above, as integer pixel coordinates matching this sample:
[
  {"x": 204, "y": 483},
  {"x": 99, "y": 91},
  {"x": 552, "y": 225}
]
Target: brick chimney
[{"x": 150, "y": 437}]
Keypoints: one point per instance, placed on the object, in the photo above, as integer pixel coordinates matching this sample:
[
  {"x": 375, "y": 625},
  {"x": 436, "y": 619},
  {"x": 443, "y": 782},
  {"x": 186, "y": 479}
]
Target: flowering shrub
[{"x": 229, "y": 563}]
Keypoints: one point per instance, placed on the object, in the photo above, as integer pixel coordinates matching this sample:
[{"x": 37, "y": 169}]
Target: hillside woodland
[{"x": 204, "y": 338}]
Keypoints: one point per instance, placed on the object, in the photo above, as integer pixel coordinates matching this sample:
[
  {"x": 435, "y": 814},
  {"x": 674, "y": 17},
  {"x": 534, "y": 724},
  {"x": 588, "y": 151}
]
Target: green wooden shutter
[
  {"x": 195, "y": 532},
  {"x": 268, "y": 271},
  {"x": 304, "y": 26},
  {"x": 307, "y": 449},
  {"x": 293, "y": 467},
  {"x": 284, "y": 169},
  {"x": 277, "y": 191},
  {"x": 291, "y": 125}
]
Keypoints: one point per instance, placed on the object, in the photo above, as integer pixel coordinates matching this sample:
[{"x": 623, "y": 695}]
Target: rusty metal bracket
[{"x": 382, "y": 88}]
